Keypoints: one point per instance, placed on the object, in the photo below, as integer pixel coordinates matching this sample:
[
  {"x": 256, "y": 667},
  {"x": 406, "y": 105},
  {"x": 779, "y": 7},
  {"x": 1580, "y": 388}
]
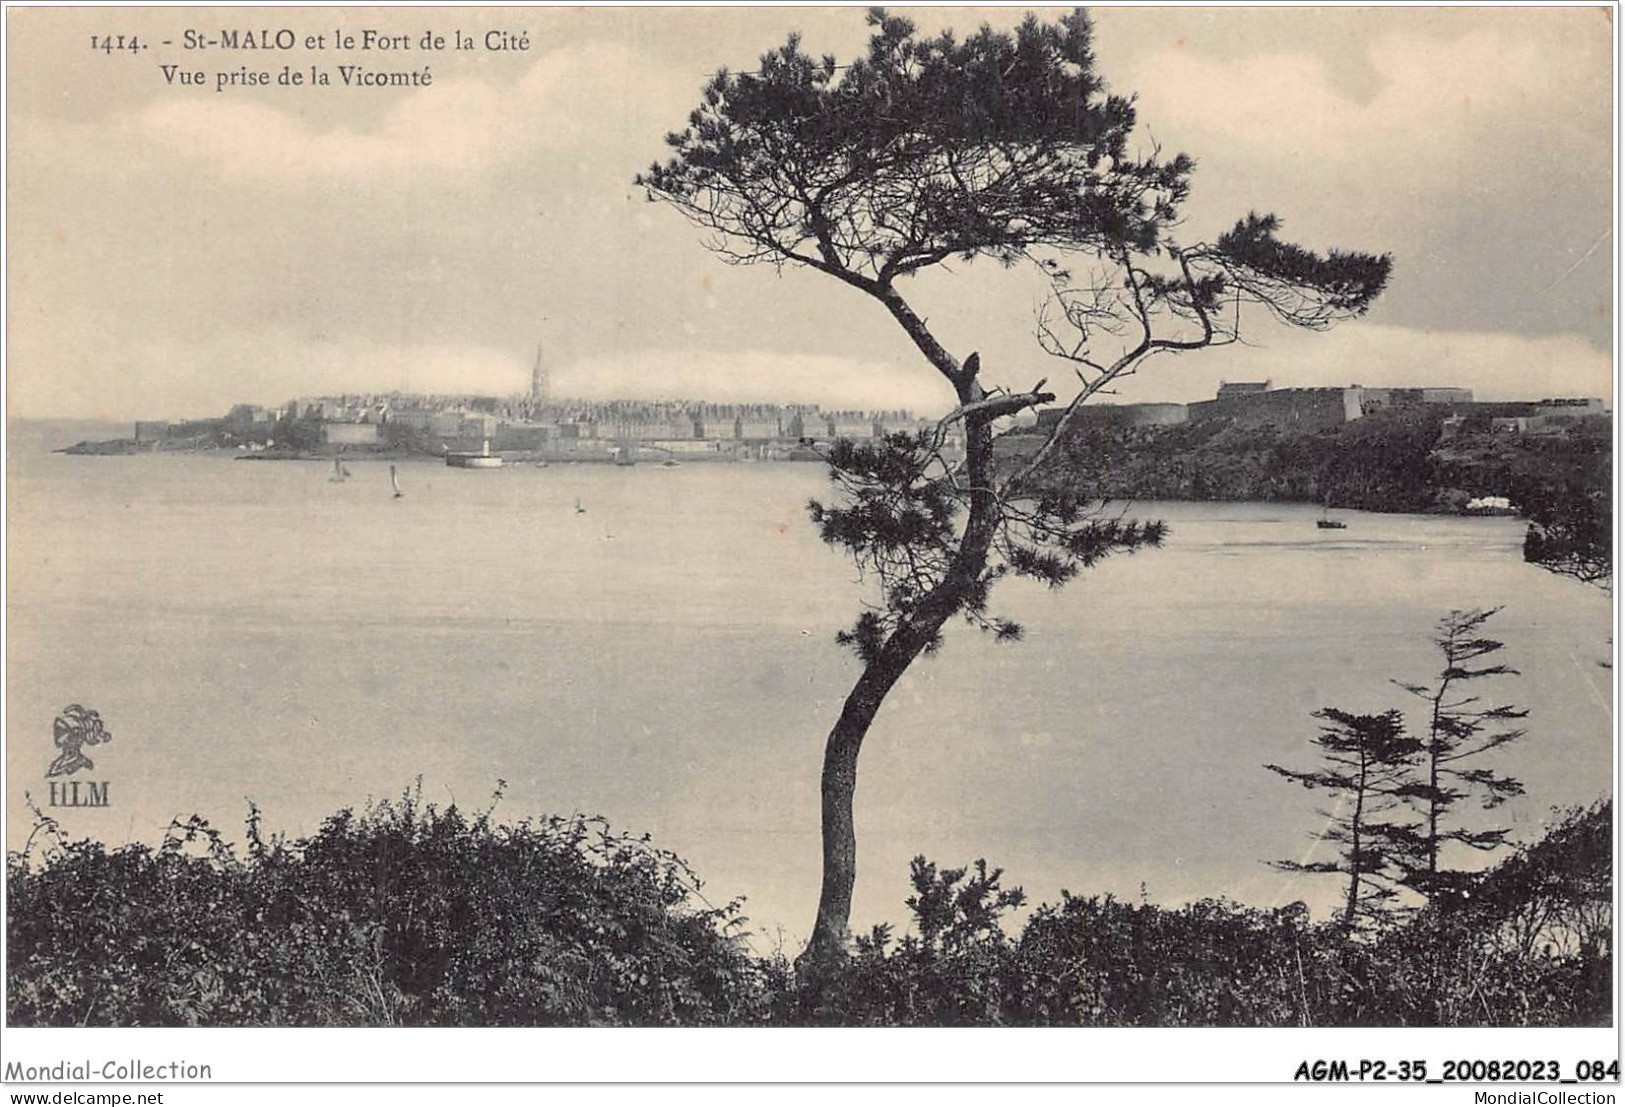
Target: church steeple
[{"x": 538, "y": 381}]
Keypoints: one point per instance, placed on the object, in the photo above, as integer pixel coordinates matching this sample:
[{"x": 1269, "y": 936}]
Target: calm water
[{"x": 248, "y": 629}]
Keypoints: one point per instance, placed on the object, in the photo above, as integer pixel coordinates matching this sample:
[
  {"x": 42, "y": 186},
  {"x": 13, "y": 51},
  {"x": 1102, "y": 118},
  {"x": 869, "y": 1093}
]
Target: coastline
[
  {"x": 128, "y": 447},
  {"x": 1444, "y": 506}
]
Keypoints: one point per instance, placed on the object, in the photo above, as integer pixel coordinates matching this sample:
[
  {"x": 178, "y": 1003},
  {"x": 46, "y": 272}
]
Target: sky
[{"x": 173, "y": 250}]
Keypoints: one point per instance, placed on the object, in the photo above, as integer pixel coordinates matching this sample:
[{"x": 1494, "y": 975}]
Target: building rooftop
[{"x": 1238, "y": 388}]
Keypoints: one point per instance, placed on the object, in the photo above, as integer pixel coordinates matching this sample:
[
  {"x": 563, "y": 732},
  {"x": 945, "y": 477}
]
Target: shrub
[
  {"x": 1524, "y": 944},
  {"x": 402, "y": 914}
]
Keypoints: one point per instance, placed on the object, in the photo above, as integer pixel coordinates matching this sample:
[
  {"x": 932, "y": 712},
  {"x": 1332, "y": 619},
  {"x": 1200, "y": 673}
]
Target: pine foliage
[{"x": 1368, "y": 761}]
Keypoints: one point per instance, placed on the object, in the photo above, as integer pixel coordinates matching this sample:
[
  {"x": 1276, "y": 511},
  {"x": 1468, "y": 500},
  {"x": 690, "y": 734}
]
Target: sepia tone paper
[{"x": 418, "y": 237}]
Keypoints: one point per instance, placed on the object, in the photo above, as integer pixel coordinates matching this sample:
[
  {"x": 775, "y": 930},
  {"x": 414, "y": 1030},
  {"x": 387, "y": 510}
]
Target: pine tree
[
  {"x": 1460, "y": 731},
  {"x": 1004, "y": 146},
  {"x": 1368, "y": 764}
]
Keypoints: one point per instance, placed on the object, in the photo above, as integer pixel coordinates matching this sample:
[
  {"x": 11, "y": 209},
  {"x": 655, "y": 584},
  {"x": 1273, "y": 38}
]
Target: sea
[{"x": 656, "y": 645}]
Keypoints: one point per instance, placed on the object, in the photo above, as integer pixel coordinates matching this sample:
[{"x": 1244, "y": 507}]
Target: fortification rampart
[{"x": 1300, "y": 409}]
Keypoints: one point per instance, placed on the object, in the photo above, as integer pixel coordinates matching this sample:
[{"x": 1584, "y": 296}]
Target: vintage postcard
[{"x": 791, "y": 517}]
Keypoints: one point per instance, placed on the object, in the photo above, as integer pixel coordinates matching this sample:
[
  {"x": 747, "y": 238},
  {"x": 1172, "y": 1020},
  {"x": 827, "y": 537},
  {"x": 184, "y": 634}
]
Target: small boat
[
  {"x": 670, "y": 463},
  {"x": 579, "y": 509},
  {"x": 394, "y": 483},
  {"x": 1325, "y": 523}
]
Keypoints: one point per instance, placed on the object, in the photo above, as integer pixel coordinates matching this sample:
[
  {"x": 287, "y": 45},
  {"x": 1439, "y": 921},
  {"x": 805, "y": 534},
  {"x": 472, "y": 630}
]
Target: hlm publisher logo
[{"x": 77, "y": 727}]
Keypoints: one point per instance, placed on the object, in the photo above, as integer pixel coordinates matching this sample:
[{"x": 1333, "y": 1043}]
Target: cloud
[
  {"x": 1479, "y": 158},
  {"x": 1440, "y": 103},
  {"x": 431, "y": 235},
  {"x": 109, "y": 376},
  {"x": 100, "y": 377}
]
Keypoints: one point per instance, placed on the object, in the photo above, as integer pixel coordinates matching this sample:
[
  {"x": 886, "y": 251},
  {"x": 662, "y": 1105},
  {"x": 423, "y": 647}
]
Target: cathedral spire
[{"x": 538, "y": 380}]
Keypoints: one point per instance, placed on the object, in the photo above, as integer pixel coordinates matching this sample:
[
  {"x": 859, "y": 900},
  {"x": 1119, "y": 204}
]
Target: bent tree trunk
[{"x": 838, "y": 783}]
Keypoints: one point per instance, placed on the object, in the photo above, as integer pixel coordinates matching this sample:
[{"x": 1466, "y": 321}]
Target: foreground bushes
[
  {"x": 405, "y": 914},
  {"x": 1519, "y": 950}
]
